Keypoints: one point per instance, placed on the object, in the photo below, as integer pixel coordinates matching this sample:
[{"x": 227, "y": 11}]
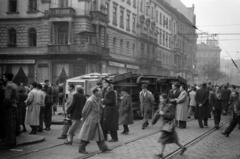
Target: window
[
  {"x": 128, "y": 20},
  {"x": 134, "y": 4},
  {"x": 127, "y": 46},
  {"x": 114, "y": 42},
  {"x": 121, "y": 43},
  {"x": 63, "y": 3},
  {"x": 12, "y": 6},
  {"x": 60, "y": 34},
  {"x": 122, "y": 18},
  {"x": 107, "y": 9},
  {"x": 12, "y": 37},
  {"x": 114, "y": 20},
  {"x": 141, "y": 5},
  {"x": 160, "y": 18},
  {"x": 129, "y": 2},
  {"x": 32, "y": 37},
  {"x": 156, "y": 16},
  {"x": 134, "y": 23},
  {"x": 32, "y": 6},
  {"x": 133, "y": 47}
]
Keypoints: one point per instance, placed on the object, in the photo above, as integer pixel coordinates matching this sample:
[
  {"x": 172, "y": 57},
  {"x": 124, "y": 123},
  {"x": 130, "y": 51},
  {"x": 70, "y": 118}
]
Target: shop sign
[
  {"x": 133, "y": 67},
  {"x": 28, "y": 61},
  {"x": 116, "y": 64}
]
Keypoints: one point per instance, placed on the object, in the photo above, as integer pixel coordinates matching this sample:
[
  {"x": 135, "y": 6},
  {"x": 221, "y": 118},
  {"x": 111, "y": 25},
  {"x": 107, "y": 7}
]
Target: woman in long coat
[
  {"x": 91, "y": 128},
  {"x": 125, "y": 111},
  {"x": 34, "y": 102},
  {"x": 182, "y": 108},
  {"x": 168, "y": 132}
]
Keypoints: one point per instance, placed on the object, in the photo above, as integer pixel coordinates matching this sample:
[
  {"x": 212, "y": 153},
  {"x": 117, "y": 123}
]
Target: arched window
[
  {"x": 32, "y": 37},
  {"x": 12, "y": 37}
]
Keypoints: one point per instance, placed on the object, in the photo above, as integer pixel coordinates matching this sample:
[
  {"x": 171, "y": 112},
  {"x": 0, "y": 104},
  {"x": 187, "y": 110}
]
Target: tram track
[
  {"x": 193, "y": 142},
  {"x": 168, "y": 156}
]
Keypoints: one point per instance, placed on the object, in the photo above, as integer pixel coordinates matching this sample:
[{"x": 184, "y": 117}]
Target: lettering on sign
[{"x": 116, "y": 64}]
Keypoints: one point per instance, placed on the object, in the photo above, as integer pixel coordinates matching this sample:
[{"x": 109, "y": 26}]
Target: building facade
[
  {"x": 208, "y": 57},
  {"x": 57, "y": 39}
]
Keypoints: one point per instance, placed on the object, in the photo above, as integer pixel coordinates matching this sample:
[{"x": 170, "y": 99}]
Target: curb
[{"x": 31, "y": 142}]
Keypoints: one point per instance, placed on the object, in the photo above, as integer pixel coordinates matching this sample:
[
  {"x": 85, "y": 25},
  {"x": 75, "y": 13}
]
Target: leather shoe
[
  {"x": 183, "y": 150},
  {"x": 62, "y": 137},
  {"x": 112, "y": 140},
  {"x": 68, "y": 142},
  {"x": 83, "y": 151}
]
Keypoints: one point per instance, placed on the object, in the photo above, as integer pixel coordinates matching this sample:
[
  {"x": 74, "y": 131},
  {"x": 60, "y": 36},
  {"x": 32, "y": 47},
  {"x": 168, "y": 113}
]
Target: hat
[{"x": 109, "y": 81}]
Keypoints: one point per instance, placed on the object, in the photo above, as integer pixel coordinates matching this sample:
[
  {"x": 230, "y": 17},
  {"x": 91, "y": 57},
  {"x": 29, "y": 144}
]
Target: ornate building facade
[{"x": 54, "y": 39}]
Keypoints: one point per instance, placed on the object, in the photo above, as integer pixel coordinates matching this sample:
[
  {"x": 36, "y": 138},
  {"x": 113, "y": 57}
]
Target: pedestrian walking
[
  {"x": 182, "y": 108},
  {"x": 74, "y": 111},
  {"x": 22, "y": 96},
  {"x": 110, "y": 111},
  {"x": 68, "y": 122},
  {"x": 48, "y": 105},
  {"x": 192, "y": 103},
  {"x": 225, "y": 99},
  {"x": 236, "y": 114},
  {"x": 42, "y": 107},
  {"x": 33, "y": 102},
  {"x": 146, "y": 104},
  {"x": 202, "y": 99},
  {"x": 174, "y": 93},
  {"x": 168, "y": 133},
  {"x": 125, "y": 111},
  {"x": 91, "y": 128},
  {"x": 10, "y": 111},
  {"x": 216, "y": 102}
]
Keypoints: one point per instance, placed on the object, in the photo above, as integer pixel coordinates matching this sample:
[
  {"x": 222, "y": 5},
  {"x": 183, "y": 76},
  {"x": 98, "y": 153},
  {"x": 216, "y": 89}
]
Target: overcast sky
[{"x": 220, "y": 16}]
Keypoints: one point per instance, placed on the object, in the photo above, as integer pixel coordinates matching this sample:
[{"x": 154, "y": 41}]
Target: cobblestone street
[
  {"x": 139, "y": 144},
  {"x": 215, "y": 146}
]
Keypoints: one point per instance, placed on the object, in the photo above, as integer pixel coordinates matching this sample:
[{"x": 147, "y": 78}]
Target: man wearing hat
[
  {"x": 146, "y": 102},
  {"x": 110, "y": 111},
  {"x": 202, "y": 99}
]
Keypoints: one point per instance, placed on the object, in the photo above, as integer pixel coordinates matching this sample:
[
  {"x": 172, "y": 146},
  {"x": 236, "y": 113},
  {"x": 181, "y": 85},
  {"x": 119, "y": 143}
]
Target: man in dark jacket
[
  {"x": 225, "y": 99},
  {"x": 48, "y": 105},
  {"x": 10, "y": 111},
  {"x": 236, "y": 114},
  {"x": 75, "y": 112},
  {"x": 110, "y": 111},
  {"x": 202, "y": 99}
]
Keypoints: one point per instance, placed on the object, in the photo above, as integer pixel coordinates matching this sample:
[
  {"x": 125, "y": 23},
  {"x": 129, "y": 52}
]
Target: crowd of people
[
  {"x": 23, "y": 105},
  {"x": 100, "y": 114}
]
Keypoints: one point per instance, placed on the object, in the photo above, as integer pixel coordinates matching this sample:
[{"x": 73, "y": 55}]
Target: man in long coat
[
  {"x": 125, "y": 111},
  {"x": 202, "y": 99},
  {"x": 110, "y": 111},
  {"x": 66, "y": 126},
  {"x": 146, "y": 103},
  {"x": 91, "y": 128},
  {"x": 34, "y": 102},
  {"x": 10, "y": 111}
]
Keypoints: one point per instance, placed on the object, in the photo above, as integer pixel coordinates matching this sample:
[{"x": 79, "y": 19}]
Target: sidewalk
[{"x": 26, "y": 139}]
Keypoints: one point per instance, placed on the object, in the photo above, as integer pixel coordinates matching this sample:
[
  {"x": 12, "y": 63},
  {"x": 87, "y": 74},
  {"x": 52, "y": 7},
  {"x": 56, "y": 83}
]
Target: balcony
[
  {"x": 23, "y": 51},
  {"x": 61, "y": 12},
  {"x": 98, "y": 17},
  {"x": 85, "y": 49}
]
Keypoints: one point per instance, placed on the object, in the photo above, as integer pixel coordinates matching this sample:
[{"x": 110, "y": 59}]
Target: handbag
[
  {"x": 169, "y": 126},
  {"x": 156, "y": 117}
]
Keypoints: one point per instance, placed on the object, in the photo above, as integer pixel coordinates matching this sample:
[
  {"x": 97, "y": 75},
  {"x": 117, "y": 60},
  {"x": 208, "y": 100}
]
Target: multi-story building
[
  {"x": 55, "y": 39},
  {"x": 207, "y": 56}
]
